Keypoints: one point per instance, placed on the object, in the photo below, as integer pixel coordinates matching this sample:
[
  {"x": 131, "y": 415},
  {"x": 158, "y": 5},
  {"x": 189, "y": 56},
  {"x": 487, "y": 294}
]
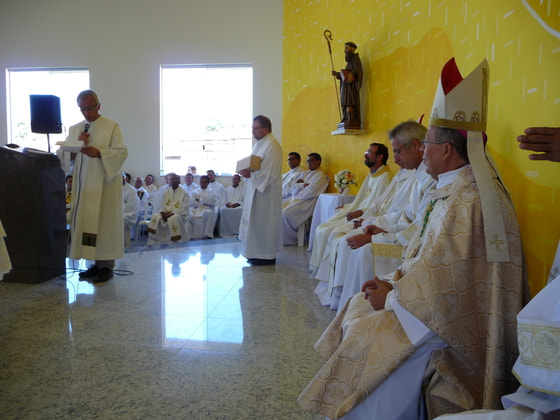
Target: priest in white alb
[
  {"x": 231, "y": 211},
  {"x": 130, "y": 208},
  {"x": 290, "y": 177},
  {"x": 305, "y": 191},
  {"x": 204, "y": 207},
  {"x": 372, "y": 187},
  {"x": 405, "y": 140},
  {"x": 261, "y": 221},
  {"x": 96, "y": 222}
]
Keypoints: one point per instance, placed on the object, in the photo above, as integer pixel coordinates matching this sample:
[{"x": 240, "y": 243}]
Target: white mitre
[{"x": 462, "y": 104}]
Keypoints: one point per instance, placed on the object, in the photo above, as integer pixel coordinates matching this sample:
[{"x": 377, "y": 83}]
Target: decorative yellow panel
[{"x": 403, "y": 46}]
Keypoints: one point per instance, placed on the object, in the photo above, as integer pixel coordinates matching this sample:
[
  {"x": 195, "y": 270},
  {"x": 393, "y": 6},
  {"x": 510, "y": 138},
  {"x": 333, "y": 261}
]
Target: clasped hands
[
  {"x": 376, "y": 292},
  {"x": 357, "y": 241}
]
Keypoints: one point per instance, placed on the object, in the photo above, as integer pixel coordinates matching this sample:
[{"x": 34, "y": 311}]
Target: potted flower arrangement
[{"x": 343, "y": 180}]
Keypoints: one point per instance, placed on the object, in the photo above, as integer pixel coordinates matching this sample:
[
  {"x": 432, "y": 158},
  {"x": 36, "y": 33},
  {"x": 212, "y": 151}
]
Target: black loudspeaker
[{"x": 45, "y": 114}]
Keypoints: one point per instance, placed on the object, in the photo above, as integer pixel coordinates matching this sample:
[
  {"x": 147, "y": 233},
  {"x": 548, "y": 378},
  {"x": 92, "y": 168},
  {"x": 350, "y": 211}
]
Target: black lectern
[{"x": 33, "y": 212}]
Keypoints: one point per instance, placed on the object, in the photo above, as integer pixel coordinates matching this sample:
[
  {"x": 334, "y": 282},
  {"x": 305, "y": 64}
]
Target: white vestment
[
  {"x": 261, "y": 222},
  {"x": 373, "y": 187},
  {"x": 130, "y": 202},
  {"x": 192, "y": 189},
  {"x": 289, "y": 179},
  {"x": 220, "y": 192},
  {"x": 151, "y": 188},
  {"x": 156, "y": 198},
  {"x": 176, "y": 228},
  {"x": 96, "y": 219},
  {"x": 143, "y": 197},
  {"x": 385, "y": 253},
  {"x": 299, "y": 207},
  {"x": 205, "y": 208},
  {"x": 131, "y": 205},
  {"x": 230, "y": 217},
  {"x": 395, "y": 198}
]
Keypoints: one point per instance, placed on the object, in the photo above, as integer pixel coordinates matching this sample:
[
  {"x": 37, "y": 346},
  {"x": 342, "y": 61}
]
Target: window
[
  {"x": 206, "y": 116},
  {"x": 65, "y": 83}
]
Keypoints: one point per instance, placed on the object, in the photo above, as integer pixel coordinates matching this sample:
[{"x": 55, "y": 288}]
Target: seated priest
[
  {"x": 305, "y": 191},
  {"x": 190, "y": 186},
  {"x": 170, "y": 220},
  {"x": 439, "y": 337},
  {"x": 290, "y": 177},
  {"x": 131, "y": 206},
  {"x": 377, "y": 249},
  {"x": 373, "y": 186},
  {"x": 230, "y": 212},
  {"x": 216, "y": 186},
  {"x": 204, "y": 207},
  {"x": 406, "y": 138},
  {"x": 150, "y": 186}
]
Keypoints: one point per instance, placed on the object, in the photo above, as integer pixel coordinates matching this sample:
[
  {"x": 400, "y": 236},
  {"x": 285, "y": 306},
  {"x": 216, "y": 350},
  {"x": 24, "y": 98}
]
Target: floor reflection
[
  {"x": 201, "y": 297},
  {"x": 77, "y": 289}
]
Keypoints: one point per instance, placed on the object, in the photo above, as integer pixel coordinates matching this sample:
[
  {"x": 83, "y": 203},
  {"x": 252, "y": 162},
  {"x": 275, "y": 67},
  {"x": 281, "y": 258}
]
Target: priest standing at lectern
[{"x": 96, "y": 220}]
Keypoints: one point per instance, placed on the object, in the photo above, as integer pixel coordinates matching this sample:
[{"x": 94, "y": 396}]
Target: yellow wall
[{"x": 403, "y": 46}]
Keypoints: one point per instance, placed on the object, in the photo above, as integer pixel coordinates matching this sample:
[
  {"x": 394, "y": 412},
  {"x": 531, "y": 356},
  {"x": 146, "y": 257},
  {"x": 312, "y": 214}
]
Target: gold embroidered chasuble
[
  {"x": 448, "y": 284},
  {"x": 177, "y": 202}
]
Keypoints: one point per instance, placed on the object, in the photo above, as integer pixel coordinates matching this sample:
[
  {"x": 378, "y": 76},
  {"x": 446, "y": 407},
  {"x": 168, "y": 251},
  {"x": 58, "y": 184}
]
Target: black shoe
[
  {"x": 92, "y": 271},
  {"x": 259, "y": 261},
  {"x": 105, "y": 274}
]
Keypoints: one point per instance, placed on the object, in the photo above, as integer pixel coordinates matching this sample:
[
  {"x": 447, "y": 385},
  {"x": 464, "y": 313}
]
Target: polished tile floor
[{"x": 188, "y": 332}]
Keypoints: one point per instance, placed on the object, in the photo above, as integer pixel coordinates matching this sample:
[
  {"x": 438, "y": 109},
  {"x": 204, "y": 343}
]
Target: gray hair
[
  {"x": 407, "y": 131},
  {"x": 455, "y": 138},
  {"x": 85, "y": 93}
]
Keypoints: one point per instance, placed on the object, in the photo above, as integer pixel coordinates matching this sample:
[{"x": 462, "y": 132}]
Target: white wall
[{"x": 124, "y": 42}]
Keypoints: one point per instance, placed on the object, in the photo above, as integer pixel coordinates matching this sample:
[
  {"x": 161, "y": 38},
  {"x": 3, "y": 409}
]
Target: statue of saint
[{"x": 350, "y": 83}]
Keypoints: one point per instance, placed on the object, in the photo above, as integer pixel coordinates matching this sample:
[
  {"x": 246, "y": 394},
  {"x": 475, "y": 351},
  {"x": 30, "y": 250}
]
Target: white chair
[
  {"x": 301, "y": 231},
  {"x": 144, "y": 222}
]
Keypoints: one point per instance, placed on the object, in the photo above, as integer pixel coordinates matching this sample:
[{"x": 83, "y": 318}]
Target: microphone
[{"x": 86, "y": 127}]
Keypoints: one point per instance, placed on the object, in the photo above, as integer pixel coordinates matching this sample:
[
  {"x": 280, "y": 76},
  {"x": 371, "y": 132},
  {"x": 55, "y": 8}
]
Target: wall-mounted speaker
[{"x": 45, "y": 114}]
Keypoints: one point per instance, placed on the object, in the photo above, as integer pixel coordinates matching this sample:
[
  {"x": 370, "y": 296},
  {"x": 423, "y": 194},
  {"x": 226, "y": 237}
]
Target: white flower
[{"x": 344, "y": 179}]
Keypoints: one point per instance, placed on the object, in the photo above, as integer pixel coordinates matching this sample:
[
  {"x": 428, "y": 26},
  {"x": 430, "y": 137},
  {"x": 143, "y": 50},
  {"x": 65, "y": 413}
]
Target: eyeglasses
[
  {"x": 432, "y": 142},
  {"x": 89, "y": 108},
  {"x": 256, "y": 128},
  {"x": 292, "y": 158}
]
